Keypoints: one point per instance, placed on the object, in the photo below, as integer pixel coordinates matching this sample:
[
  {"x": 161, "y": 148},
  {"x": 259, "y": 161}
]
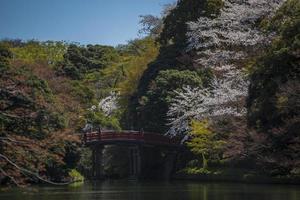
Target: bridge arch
[{"x": 137, "y": 142}]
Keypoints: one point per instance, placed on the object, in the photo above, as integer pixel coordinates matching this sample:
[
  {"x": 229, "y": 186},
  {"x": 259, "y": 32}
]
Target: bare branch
[{"x": 23, "y": 170}]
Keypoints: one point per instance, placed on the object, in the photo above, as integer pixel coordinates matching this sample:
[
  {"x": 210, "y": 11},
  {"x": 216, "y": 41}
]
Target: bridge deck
[{"x": 136, "y": 137}]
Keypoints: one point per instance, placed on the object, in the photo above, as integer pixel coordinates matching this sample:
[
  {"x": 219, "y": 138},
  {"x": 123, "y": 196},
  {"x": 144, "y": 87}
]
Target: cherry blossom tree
[
  {"x": 221, "y": 43},
  {"x": 235, "y": 26},
  {"x": 234, "y": 34},
  {"x": 107, "y": 106},
  {"x": 224, "y": 97}
]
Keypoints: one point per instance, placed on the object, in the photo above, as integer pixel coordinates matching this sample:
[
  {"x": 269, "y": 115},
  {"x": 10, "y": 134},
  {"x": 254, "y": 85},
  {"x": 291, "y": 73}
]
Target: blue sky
[{"x": 109, "y": 22}]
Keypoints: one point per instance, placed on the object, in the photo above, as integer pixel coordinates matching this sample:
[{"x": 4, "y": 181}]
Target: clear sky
[{"x": 109, "y": 22}]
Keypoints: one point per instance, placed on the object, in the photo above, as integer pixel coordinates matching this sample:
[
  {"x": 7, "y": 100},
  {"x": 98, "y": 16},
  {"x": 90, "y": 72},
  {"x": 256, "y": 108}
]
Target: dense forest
[{"x": 222, "y": 75}]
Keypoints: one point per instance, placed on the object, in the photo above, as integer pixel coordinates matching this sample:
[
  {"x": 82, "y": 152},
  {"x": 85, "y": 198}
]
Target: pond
[{"x": 135, "y": 190}]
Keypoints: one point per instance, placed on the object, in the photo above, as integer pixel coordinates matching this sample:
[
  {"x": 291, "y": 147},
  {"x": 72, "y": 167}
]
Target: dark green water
[{"x": 132, "y": 190}]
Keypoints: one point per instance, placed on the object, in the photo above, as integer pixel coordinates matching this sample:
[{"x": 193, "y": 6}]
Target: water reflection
[{"x": 134, "y": 190}]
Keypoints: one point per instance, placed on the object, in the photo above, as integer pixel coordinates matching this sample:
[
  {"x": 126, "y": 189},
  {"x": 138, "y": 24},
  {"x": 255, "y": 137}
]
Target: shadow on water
[{"x": 135, "y": 190}]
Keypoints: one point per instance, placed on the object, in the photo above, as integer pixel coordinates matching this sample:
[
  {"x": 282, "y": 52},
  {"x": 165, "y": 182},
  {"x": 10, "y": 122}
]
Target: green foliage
[
  {"x": 140, "y": 54},
  {"x": 38, "y": 100},
  {"x": 79, "y": 60},
  {"x": 83, "y": 92},
  {"x": 204, "y": 142},
  {"x": 76, "y": 176},
  {"x": 163, "y": 87},
  {"x": 288, "y": 14},
  {"x": 31, "y": 111},
  {"x": 65, "y": 154},
  {"x": 196, "y": 171},
  {"x": 47, "y": 87},
  {"x": 151, "y": 99},
  {"x": 154, "y": 105},
  {"x": 32, "y": 51},
  {"x": 213, "y": 7},
  {"x": 175, "y": 27},
  {"x": 85, "y": 162},
  {"x": 34, "y": 100},
  {"x": 98, "y": 118},
  {"x": 274, "y": 70},
  {"x": 274, "y": 101},
  {"x": 5, "y": 55}
]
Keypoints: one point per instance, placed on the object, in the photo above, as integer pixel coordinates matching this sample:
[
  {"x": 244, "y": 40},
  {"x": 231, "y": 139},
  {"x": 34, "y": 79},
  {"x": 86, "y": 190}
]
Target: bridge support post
[
  {"x": 134, "y": 161},
  {"x": 169, "y": 163},
  {"x": 97, "y": 162}
]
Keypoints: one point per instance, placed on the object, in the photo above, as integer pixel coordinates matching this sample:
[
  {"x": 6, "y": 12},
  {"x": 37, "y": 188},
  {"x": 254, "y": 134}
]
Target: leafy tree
[
  {"x": 5, "y": 56},
  {"x": 273, "y": 102},
  {"x": 24, "y": 160},
  {"x": 33, "y": 144},
  {"x": 151, "y": 25},
  {"x": 104, "y": 115},
  {"x": 154, "y": 104},
  {"x": 213, "y": 39},
  {"x": 175, "y": 24},
  {"x": 172, "y": 56},
  {"x": 99, "y": 120},
  {"x": 139, "y": 53},
  {"x": 204, "y": 142},
  {"x": 32, "y": 51},
  {"x": 26, "y": 104},
  {"x": 222, "y": 99},
  {"x": 83, "y": 92},
  {"x": 79, "y": 60},
  {"x": 281, "y": 63}
]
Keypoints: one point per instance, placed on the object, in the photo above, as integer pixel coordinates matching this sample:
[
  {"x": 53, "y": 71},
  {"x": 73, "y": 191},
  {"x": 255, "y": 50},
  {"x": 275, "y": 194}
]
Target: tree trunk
[{"x": 204, "y": 162}]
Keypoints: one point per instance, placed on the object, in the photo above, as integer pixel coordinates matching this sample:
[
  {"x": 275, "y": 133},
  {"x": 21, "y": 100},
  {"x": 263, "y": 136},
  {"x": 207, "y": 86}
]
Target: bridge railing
[{"x": 128, "y": 136}]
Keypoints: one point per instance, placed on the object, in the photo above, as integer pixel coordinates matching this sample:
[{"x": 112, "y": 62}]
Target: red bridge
[
  {"x": 140, "y": 150},
  {"x": 130, "y": 137}
]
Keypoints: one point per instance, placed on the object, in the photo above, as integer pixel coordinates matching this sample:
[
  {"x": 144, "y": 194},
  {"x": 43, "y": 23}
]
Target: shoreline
[{"x": 250, "y": 179}]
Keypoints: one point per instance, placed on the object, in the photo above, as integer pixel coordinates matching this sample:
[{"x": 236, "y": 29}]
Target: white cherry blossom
[
  {"x": 219, "y": 42},
  {"x": 109, "y": 104}
]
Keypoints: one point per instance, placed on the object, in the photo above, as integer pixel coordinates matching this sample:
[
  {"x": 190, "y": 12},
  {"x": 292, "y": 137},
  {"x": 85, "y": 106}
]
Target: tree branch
[{"x": 32, "y": 173}]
